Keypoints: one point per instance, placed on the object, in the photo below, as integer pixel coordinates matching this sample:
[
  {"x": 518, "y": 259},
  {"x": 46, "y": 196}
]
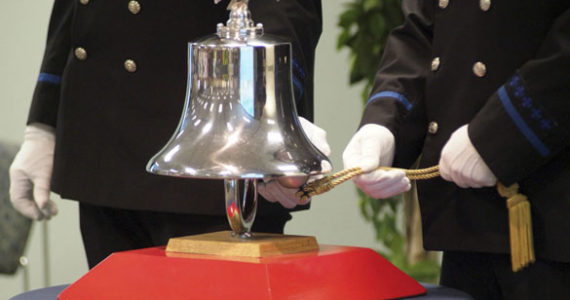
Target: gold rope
[
  {"x": 520, "y": 224},
  {"x": 327, "y": 183}
]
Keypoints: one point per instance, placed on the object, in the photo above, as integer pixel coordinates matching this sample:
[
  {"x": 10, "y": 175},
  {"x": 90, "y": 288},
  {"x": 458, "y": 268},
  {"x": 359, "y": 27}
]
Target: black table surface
[{"x": 434, "y": 292}]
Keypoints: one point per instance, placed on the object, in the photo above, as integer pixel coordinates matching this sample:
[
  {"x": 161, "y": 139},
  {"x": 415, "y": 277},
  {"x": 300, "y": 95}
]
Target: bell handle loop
[{"x": 241, "y": 211}]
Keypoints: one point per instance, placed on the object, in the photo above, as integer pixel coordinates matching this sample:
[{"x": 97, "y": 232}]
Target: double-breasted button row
[
  {"x": 479, "y": 68},
  {"x": 485, "y": 5},
  {"x": 129, "y": 64},
  {"x": 134, "y": 6},
  {"x": 81, "y": 54}
]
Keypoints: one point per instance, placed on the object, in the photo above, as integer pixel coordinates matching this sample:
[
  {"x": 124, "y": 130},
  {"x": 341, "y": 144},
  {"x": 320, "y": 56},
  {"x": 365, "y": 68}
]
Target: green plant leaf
[
  {"x": 349, "y": 17},
  {"x": 343, "y": 39},
  {"x": 377, "y": 25},
  {"x": 369, "y": 5}
]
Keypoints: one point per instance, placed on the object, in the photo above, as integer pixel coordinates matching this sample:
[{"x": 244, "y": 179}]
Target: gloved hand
[
  {"x": 461, "y": 163},
  {"x": 274, "y": 191},
  {"x": 30, "y": 173},
  {"x": 370, "y": 147}
]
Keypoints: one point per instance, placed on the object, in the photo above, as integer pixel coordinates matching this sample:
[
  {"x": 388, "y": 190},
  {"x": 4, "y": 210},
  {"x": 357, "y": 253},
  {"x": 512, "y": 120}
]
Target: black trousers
[
  {"x": 489, "y": 276},
  {"x": 106, "y": 230}
]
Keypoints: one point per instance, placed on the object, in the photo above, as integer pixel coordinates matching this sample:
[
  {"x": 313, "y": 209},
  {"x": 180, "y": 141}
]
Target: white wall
[{"x": 334, "y": 217}]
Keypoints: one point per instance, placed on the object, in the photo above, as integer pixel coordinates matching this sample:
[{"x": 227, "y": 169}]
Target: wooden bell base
[
  {"x": 258, "y": 245},
  {"x": 330, "y": 273}
]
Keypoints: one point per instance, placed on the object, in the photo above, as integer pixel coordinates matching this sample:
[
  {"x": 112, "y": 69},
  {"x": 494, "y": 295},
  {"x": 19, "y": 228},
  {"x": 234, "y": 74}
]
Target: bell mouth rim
[
  {"x": 152, "y": 168},
  {"x": 256, "y": 176}
]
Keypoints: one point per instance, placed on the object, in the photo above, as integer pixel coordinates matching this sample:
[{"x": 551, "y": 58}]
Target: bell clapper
[{"x": 241, "y": 209}]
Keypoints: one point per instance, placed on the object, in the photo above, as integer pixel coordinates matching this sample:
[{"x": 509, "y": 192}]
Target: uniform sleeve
[
  {"x": 47, "y": 91},
  {"x": 396, "y": 100},
  {"x": 525, "y": 123},
  {"x": 299, "y": 21}
]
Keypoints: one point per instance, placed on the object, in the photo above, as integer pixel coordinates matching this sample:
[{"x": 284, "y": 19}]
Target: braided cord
[{"x": 327, "y": 183}]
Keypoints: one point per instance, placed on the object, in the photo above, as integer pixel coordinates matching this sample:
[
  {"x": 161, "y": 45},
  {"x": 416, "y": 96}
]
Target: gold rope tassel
[{"x": 520, "y": 226}]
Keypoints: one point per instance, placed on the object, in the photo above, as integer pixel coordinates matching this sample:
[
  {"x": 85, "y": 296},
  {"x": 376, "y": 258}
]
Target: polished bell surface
[{"x": 239, "y": 118}]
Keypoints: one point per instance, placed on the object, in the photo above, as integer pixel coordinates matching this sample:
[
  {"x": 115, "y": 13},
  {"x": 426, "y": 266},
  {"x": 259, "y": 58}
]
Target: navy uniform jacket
[
  {"x": 503, "y": 67},
  {"x": 113, "y": 84}
]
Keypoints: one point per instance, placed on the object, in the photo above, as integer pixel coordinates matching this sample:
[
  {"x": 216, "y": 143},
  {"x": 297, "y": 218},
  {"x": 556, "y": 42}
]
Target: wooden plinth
[{"x": 259, "y": 245}]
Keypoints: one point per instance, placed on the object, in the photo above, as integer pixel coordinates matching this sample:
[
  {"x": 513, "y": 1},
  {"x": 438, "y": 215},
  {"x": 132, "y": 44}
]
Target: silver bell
[{"x": 239, "y": 119}]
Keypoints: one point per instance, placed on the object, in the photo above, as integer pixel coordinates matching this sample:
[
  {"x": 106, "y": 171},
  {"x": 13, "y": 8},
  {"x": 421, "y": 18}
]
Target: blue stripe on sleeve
[
  {"x": 51, "y": 78},
  {"x": 521, "y": 124},
  {"x": 394, "y": 95}
]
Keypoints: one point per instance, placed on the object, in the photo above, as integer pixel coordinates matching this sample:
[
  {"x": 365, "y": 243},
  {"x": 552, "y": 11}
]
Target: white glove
[
  {"x": 461, "y": 163},
  {"x": 274, "y": 191},
  {"x": 370, "y": 147},
  {"x": 30, "y": 173}
]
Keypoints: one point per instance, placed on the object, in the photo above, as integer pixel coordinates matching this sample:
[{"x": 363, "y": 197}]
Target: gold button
[
  {"x": 84, "y": 2},
  {"x": 134, "y": 7},
  {"x": 443, "y": 3},
  {"x": 432, "y": 128},
  {"x": 435, "y": 64},
  {"x": 80, "y": 53},
  {"x": 479, "y": 69},
  {"x": 485, "y": 4},
  {"x": 130, "y": 65}
]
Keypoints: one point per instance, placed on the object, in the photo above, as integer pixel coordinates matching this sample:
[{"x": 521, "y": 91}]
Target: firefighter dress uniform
[{"x": 503, "y": 67}]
